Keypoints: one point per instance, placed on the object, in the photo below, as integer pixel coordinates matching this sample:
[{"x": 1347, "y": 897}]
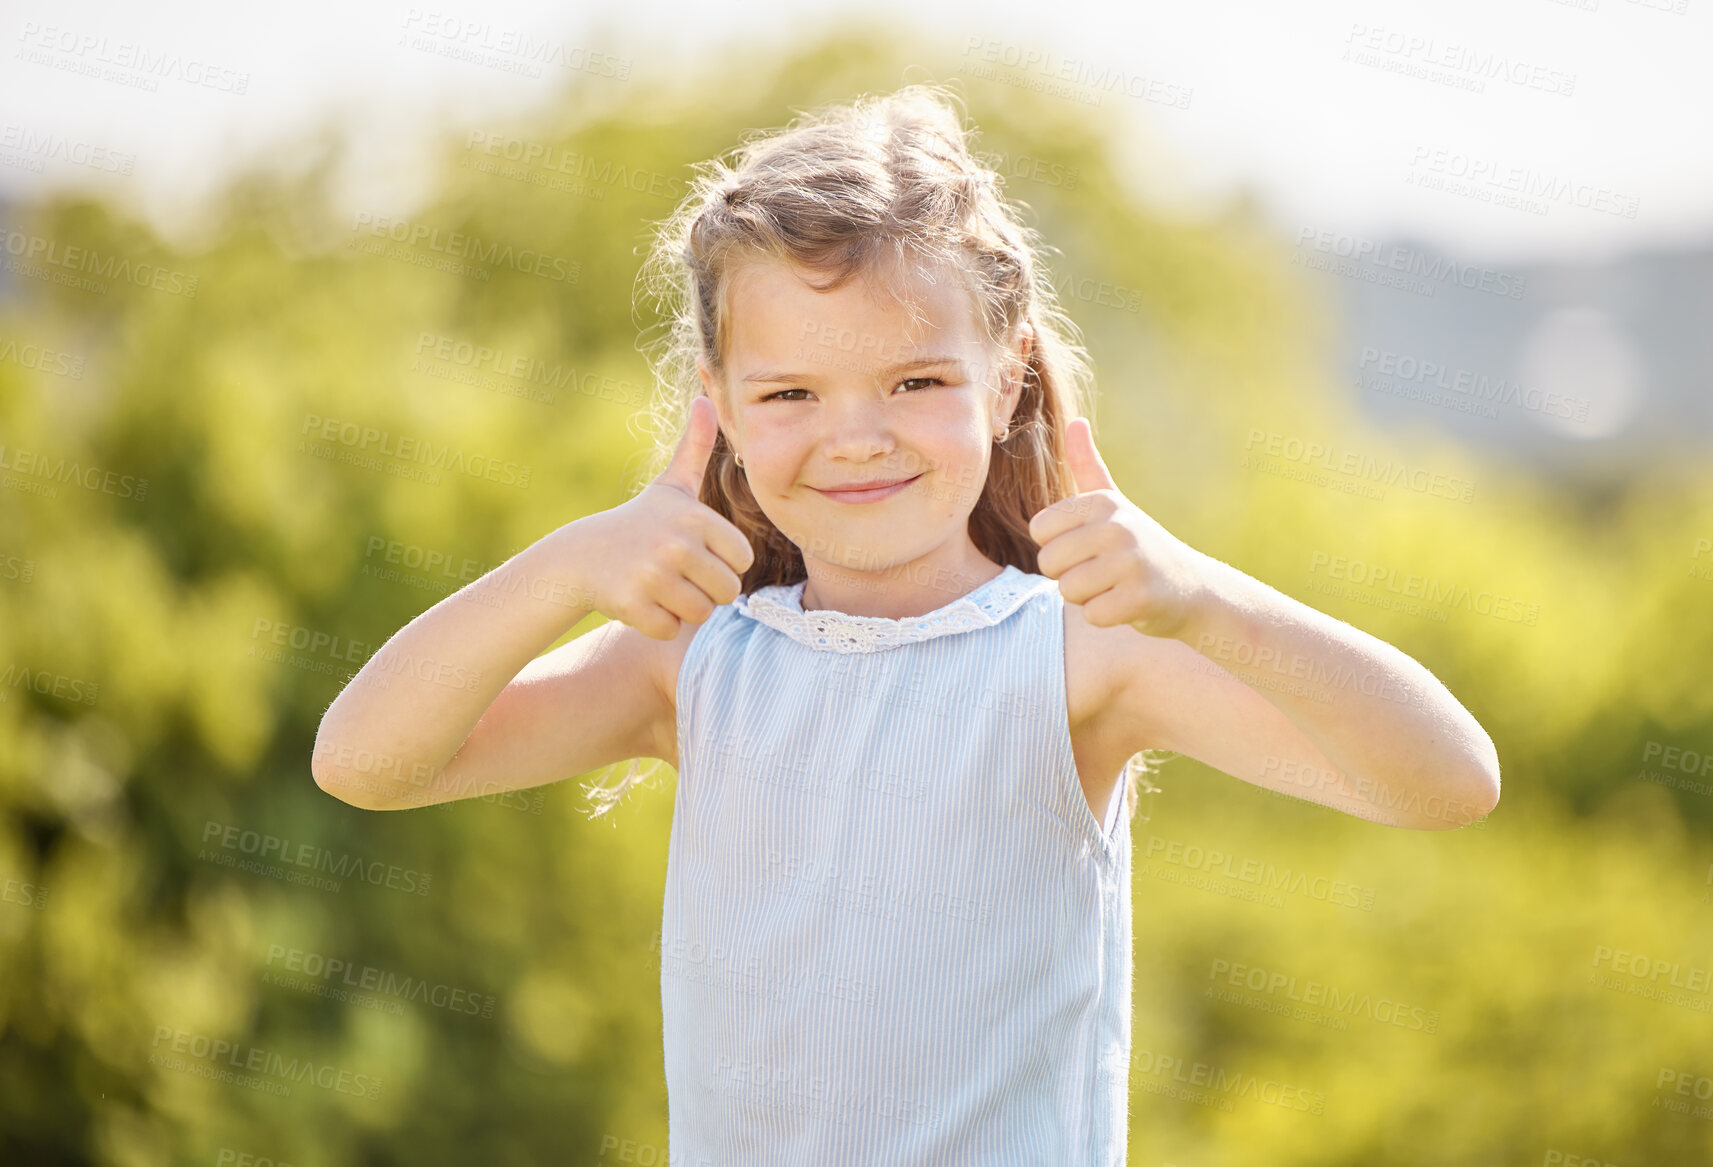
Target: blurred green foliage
[{"x": 156, "y": 737}]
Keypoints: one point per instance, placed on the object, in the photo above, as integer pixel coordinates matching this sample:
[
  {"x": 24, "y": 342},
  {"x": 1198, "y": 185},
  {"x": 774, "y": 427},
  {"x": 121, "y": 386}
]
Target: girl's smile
[{"x": 881, "y": 489}]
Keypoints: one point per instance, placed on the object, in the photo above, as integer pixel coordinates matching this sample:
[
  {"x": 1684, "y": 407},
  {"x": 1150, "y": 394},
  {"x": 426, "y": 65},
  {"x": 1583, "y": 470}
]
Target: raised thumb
[
  {"x": 690, "y": 460},
  {"x": 1087, "y": 468}
]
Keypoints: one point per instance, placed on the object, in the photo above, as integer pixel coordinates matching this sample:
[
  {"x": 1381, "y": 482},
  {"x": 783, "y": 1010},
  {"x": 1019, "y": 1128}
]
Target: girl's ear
[
  {"x": 711, "y": 387},
  {"x": 1021, "y": 350}
]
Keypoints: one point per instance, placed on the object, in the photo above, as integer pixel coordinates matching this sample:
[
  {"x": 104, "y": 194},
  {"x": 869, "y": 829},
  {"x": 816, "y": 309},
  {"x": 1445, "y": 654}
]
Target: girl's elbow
[
  {"x": 331, "y": 766},
  {"x": 354, "y": 790},
  {"x": 1488, "y": 780}
]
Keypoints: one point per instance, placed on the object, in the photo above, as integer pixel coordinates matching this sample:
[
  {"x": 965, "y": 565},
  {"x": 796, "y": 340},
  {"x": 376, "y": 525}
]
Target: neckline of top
[{"x": 780, "y": 606}]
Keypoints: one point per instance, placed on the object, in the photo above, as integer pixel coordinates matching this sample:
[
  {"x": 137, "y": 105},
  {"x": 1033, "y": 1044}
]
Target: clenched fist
[
  {"x": 1110, "y": 557},
  {"x": 665, "y": 557}
]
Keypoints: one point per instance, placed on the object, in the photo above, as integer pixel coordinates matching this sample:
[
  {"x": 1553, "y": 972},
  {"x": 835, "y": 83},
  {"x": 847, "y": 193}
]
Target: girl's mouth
[{"x": 865, "y": 494}]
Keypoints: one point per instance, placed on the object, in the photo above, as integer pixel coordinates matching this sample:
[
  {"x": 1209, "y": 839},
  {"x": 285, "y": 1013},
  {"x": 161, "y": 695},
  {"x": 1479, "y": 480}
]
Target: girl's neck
[{"x": 894, "y": 593}]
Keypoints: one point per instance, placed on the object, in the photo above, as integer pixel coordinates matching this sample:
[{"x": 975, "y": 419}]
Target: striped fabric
[{"x": 893, "y": 930}]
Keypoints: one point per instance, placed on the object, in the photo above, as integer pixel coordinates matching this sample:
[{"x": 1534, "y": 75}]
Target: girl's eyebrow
[{"x": 775, "y": 376}]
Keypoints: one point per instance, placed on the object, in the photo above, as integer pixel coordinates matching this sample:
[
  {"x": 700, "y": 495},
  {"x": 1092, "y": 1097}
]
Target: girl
[{"x": 903, "y": 638}]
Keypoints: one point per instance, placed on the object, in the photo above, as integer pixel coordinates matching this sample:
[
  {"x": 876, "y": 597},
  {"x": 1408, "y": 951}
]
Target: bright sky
[{"x": 1502, "y": 128}]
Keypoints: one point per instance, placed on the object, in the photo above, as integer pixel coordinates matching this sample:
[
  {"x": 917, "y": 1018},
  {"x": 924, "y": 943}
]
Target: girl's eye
[{"x": 780, "y": 395}]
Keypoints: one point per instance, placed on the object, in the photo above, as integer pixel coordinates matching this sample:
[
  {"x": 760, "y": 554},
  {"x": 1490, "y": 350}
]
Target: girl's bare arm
[
  {"x": 427, "y": 718},
  {"x": 456, "y": 703}
]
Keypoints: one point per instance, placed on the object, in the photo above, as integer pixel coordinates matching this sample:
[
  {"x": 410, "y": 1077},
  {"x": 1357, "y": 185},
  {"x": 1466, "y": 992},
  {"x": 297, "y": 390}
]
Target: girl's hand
[
  {"x": 1119, "y": 564},
  {"x": 665, "y": 557}
]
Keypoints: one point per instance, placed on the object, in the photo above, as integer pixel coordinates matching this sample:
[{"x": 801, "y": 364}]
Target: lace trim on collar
[{"x": 780, "y": 606}]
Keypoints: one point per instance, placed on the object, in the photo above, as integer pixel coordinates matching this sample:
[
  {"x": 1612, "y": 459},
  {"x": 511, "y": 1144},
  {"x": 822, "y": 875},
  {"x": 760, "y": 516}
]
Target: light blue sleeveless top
[{"x": 893, "y": 930}]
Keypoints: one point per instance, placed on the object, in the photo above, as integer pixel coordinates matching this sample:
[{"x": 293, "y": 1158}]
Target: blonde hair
[{"x": 879, "y": 187}]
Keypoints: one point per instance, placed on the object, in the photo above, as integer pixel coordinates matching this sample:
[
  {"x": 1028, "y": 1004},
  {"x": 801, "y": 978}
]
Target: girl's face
[{"x": 865, "y": 435}]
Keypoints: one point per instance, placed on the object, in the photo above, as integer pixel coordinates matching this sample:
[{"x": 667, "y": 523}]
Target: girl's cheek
[{"x": 763, "y": 441}]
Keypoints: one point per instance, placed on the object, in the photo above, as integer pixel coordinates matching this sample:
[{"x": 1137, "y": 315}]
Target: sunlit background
[{"x": 1372, "y": 291}]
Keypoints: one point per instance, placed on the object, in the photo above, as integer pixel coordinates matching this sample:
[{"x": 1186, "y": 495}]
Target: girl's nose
[{"x": 859, "y": 434}]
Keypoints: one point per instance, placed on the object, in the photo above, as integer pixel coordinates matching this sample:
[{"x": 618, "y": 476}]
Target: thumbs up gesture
[
  {"x": 1108, "y": 556},
  {"x": 665, "y": 557}
]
